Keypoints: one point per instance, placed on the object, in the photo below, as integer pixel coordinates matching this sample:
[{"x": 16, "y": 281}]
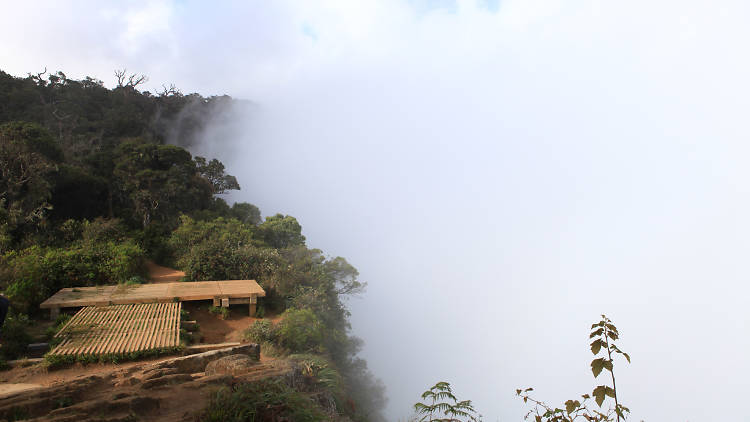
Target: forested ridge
[{"x": 95, "y": 181}]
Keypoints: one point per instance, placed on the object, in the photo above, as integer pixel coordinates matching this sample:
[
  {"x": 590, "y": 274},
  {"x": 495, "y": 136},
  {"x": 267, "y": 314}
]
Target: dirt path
[
  {"x": 159, "y": 274},
  {"x": 39, "y": 376},
  {"x": 8, "y": 389}
]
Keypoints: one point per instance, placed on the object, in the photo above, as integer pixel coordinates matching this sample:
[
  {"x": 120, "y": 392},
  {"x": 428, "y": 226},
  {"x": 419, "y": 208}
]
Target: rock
[
  {"x": 212, "y": 380},
  {"x": 166, "y": 380},
  {"x": 157, "y": 373},
  {"x": 197, "y": 363},
  {"x": 231, "y": 365},
  {"x": 127, "y": 382}
]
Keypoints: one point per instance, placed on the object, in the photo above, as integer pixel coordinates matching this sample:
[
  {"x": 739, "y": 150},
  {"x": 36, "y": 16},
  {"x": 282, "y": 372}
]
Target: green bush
[
  {"x": 220, "y": 311},
  {"x": 301, "y": 331},
  {"x": 323, "y": 370},
  {"x": 261, "y": 331},
  {"x": 135, "y": 280},
  {"x": 261, "y": 401},
  {"x": 15, "y": 336},
  {"x": 102, "y": 230},
  {"x": 31, "y": 275},
  {"x": 222, "y": 249},
  {"x": 60, "y": 322}
]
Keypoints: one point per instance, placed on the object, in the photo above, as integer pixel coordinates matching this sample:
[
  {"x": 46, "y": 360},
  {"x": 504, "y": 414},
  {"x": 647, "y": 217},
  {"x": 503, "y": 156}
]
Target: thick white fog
[{"x": 500, "y": 174}]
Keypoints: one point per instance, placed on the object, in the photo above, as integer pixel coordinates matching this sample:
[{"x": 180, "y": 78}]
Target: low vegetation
[
  {"x": 441, "y": 405},
  {"x": 604, "y": 334},
  {"x": 58, "y": 361},
  {"x": 266, "y": 400},
  {"x": 219, "y": 311}
]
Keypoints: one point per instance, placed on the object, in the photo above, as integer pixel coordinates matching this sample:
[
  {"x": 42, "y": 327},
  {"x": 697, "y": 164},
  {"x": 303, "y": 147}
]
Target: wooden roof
[
  {"x": 153, "y": 293},
  {"x": 117, "y": 329}
]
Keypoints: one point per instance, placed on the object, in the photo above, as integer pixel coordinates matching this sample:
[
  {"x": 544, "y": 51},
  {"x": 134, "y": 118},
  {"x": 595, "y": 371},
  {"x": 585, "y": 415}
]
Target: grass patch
[
  {"x": 59, "y": 361},
  {"x": 261, "y": 401}
]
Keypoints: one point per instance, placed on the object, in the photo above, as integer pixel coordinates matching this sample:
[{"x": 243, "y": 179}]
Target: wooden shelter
[
  {"x": 118, "y": 329},
  {"x": 223, "y": 293}
]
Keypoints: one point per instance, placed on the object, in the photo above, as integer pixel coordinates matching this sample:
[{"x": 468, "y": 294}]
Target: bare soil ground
[
  {"x": 217, "y": 330},
  {"x": 159, "y": 274}
]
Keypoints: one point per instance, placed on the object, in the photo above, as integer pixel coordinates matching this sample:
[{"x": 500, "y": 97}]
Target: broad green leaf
[
  {"x": 596, "y": 346},
  {"x": 609, "y": 391},
  {"x": 627, "y": 356},
  {"x": 608, "y": 365},
  {"x": 599, "y": 393},
  {"x": 596, "y": 366},
  {"x": 572, "y": 405},
  {"x": 597, "y": 332}
]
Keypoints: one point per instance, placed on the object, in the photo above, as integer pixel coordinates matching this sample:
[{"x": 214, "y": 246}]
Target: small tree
[
  {"x": 441, "y": 405},
  {"x": 604, "y": 334}
]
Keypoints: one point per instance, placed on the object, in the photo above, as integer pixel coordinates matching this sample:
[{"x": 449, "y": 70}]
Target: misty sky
[{"x": 500, "y": 173}]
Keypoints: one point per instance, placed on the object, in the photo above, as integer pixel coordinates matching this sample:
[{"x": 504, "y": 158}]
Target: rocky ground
[{"x": 174, "y": 389}]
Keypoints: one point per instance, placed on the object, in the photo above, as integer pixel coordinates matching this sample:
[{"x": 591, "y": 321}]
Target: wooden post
[
  {"x": 252, "y": 301},
  {"x": 54, "y": 313},
  {"x": 217, "y": 302},
  {"x": 225, "y": 302}
]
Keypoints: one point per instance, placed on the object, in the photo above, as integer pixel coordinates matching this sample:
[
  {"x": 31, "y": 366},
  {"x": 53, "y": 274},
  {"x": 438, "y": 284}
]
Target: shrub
[
  {"x": 301, "y": 331},
  {"x": 31, "y": 275},
  {"x": 15, "y": 337},
  {"x": 102, "y": 230},
  {"x": 60, "y": 322},
  {"x": 261, "y": 331},
  {"x": 222, "y": 249},
  {"x": 322, "y": 370},
  {"x": 221, "y": 312},
  {"x": 135, "y": 280},
  {"x": 260, "y": 401}
]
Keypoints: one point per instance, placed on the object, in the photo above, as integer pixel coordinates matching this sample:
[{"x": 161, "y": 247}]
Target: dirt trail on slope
[{"x": 159, "y": 274}]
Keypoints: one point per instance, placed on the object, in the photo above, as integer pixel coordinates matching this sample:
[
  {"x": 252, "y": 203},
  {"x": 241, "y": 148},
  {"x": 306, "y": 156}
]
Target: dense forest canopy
[{"x": 94, "y": 181}]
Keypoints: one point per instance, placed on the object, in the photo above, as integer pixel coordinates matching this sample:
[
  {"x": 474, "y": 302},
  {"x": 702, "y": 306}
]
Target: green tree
[
  {"x": 28, "y": 157},
  {"x": 281, "y": 231},
  {"x": 213, "y": 171},
  {"x": 159, "y": 180},
  {"x": 246, "y": 213}
]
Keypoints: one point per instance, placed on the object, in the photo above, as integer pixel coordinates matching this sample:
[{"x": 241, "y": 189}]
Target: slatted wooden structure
[
  {"x": 115, "y": 329},
  {"x": 223, "y": 293}
]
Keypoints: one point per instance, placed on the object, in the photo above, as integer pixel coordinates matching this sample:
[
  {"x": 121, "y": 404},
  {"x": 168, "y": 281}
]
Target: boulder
[{"x": 231, "y": 365}]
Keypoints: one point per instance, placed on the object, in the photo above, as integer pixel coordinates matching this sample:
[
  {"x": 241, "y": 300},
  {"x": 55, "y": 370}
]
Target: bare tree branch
[{"x": 120, "y": 75}]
